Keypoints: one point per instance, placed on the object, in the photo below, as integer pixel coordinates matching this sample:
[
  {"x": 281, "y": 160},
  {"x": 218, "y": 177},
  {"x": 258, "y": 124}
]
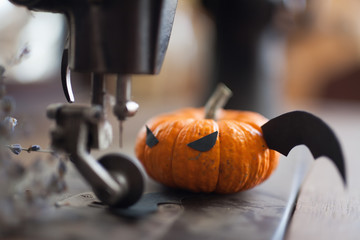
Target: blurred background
[{"x": 275, "y": 55}]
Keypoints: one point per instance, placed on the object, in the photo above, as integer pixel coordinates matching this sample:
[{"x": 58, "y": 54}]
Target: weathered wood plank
[{"x": 325, "y": 210}]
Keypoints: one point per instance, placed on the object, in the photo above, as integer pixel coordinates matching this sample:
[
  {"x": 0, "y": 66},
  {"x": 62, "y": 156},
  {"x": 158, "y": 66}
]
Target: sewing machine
[{"x": 106, "y": 37}]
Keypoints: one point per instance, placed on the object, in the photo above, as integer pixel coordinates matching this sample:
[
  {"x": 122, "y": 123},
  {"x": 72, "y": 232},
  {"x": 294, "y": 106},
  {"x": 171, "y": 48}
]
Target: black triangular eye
[
  {"x": 151, "y": 140},
  {"x": 205, "y": 143}
]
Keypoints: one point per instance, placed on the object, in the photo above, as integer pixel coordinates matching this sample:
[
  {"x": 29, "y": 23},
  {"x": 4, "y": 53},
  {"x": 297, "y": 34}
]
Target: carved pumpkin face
[{"x": 183, "y": 150}]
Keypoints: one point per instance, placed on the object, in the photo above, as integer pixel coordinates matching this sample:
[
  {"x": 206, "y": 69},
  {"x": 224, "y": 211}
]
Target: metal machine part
[
  {"x": 124, "y": 106},
  {"x": 117, "y": 37},
  {"x": 118, "y": 186},
  {"x": 126, "y": 37},
  {"x": 106, "y": 37},
  {"x": 66, "y": 77}
]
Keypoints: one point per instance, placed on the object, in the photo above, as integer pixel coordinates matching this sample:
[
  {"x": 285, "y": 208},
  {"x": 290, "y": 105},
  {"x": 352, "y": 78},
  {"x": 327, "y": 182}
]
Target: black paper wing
[{"x": 296, "y": 128}]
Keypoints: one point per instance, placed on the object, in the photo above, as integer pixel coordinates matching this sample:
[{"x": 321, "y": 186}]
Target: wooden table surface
[{"x": 323, "y": 210}]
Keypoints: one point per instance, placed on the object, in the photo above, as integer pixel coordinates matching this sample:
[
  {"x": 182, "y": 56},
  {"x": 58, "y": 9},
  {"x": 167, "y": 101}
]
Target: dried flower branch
[
  {"x": 22, "y": 54},
  {"x": 17, "y": 148},
  {"x": 24, "y": 190}
]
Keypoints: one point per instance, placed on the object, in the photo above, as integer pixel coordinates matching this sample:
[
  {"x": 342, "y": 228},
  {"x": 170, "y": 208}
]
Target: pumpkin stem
[{"x": 217, "y": 100}]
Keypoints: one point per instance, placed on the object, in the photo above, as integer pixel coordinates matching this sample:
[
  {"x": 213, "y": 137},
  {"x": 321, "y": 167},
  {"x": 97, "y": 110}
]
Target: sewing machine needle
[{"x": 120, "y": 133}]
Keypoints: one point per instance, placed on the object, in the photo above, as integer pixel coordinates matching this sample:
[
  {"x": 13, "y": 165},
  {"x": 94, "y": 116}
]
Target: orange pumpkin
[{"x": 234, "y": 154}]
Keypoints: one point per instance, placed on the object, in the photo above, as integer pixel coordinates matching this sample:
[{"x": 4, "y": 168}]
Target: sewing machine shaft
[{"x": 124, "y": 106}]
